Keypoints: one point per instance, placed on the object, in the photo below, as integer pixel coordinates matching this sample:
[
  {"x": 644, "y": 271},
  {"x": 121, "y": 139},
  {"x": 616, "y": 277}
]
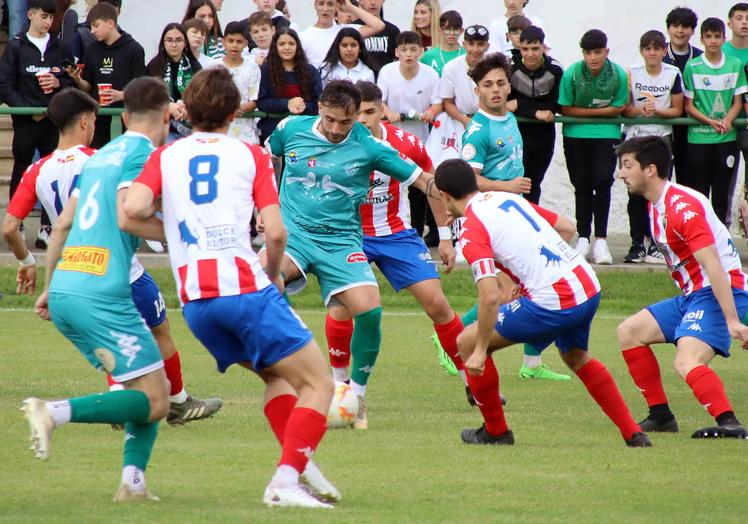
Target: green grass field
[{"x": 569, "y": 462}]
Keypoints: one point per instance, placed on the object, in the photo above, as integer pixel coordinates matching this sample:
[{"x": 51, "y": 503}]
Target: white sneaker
[
  {"x": 601, "y": 253},
  {"x": 291, "y": 496},
  {"x": 583, "y": 247},
  {"x": 654, "y": 256},
  {"x": 318, "y": 484},
  {"x": 361, "y": 421},
  {"x": 41, "y": 425},
  {"x": 125, "y": 494}
]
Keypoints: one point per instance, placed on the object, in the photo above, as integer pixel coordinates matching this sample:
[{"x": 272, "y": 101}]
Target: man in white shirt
[{"x": 498, "y": 29}]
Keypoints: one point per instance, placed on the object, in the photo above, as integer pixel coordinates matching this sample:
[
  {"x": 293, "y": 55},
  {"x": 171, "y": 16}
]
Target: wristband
[
  {"x": 28, "y": 261},
  {"x": 445, "y": 233}
]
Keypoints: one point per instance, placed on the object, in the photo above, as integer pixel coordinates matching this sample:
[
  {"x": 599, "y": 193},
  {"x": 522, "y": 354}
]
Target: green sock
[
  {"x": 113, "y": 407},
  {"x": 139, "y": 441},
  {"x": 531, "y": 351},
  {"x": 471, "y": 316},
  {"x": 367, "y": 337}
]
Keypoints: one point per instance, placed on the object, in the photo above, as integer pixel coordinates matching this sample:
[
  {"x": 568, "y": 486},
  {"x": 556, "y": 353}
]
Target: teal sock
[
  {"x": 139, "y": 441},
  {"x": 113, "y": 407},
  {"x": 365, "y": 342},
  {"x": 471, "y": 316},
  {"x": 531, "y": 351}
]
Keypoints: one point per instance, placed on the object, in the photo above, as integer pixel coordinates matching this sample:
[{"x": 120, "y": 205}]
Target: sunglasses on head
[{"x": 476, "y": 29}]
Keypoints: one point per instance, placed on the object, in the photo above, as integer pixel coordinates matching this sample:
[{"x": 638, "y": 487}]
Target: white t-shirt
[
  {"x": 254, "y": 53},
  {"x": 247, "y": 80},
  {"x": 660, "y": 88},
  {"x": 457, "y": 84},
  {"x": 340, "y": 72},
  {"x": 40, "y": 43},
  {"x": 317, "y": 41},
  {"x": 497, "y": 31},
  {"x": 207, "y": 61},
  {"x": 416, "y": 94}
]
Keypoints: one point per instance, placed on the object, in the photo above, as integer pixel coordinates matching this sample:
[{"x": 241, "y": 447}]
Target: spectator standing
[
  {"x": 514, "y": 27},
  {"x": 498, "y": 27},
  {"x": 450, "y": 28},
  {"x": 82, "y": 36},
  {"x": 197, "y": 34},
  {"x": 382, "y": 44},
  {"x": 65, "y": 21},
  {"x": 426, "y": 15},
  {"x": 246, "y": 75},
  {"x": 347, "y": 59},
  {"x": 17, "y": 20},
  {"x": 206, "y": 11},
  {"x": 593, "y": 87},
  {"x": 261, "y": 31},
  {"x": 277, "y": 18}
]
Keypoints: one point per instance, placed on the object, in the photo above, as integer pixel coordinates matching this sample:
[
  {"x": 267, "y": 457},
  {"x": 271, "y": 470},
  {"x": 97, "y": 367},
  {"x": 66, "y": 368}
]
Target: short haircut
[
  {"x": 234, "y": 28},
  {"x": 47, "y": 6},
  {"x": 740, "y": 6},
  {"x": 476, "y": 33},
  {"x": 67, "y": 106},
  {"x": 653, "y": 37},
  {"x": 408, "y": 38},
  {"x": 713, "y": 25},
  {"x": 648, "y": 150},
  {"x": 456, "y": 178},
  {"x": 102, "y": 11},
  {"x": 115, "y": 3},
  {"x": 517, "y": 23},
  {"x": 488, "y": 64},
  {"x": 146, "y": 94},
  {"x": 341, "y": 93},
  {"x": 593, "y": 39},
  {"x": 211, "y": 98},
  {"x": 450, "y": 20},
  {"x": 259, "y": 18},
  {"x": 370, "y": 91},
  {"x": 682, "y": 16},
  {"x": 197, "y": 24},
  {"x": 532, "y": 34}
]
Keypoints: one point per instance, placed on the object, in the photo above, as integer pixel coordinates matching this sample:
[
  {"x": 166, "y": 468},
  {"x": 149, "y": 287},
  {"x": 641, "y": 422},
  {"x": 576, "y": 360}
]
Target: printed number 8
[{"x": 208, "y": 191}]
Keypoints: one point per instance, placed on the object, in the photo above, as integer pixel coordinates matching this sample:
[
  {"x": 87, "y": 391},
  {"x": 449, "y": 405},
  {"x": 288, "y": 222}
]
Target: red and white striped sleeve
[
  {"x": 548, "y": 215},
  {"x": 476, "y": 248},
  {"x": 151, "y": 174},
  {"x": 24, "y": 199},
  {"x": 264, "y": 188}
]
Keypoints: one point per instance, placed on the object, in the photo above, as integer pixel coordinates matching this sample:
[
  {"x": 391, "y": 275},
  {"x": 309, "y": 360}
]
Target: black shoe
[
  {"x": 639, "y": 440},
  {"x": 726, "y": 431},
  {"x": 503, "y": 399},
  {"x": 650, "y": 425},
  {"x": 470, "y": 397},
  {"x": 481, "y": 436},
  {"x": 43, "y": 237},
  {"x": 431, "y": 240},
  {"x": 636, "y": 254}
]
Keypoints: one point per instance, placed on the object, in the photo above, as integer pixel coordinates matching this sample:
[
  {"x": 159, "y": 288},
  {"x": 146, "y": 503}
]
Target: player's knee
[
  {"x": 627, "y": 333},
  {"x": 465, "y": 345},
  {"x": 684, "y": 363},
  {"x": 438, "y": 309},
  {"x": 159, "y": 406}
]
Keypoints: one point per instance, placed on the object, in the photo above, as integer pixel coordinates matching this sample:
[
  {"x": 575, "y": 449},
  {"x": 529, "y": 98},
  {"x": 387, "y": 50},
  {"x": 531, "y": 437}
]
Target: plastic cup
[
  {"x": 104, "y": 100},
  {"x": 39, "y": 76}
]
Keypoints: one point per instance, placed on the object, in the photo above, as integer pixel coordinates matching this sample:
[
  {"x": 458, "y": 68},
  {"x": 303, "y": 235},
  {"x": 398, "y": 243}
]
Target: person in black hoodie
[
  {"x": 31, "y": 72},
  {"x": 114, "y": 58},
  {"x": 82, "y": 36},
  {"x": 381, "y": 46},
  {"x": 535, "y": 81}
]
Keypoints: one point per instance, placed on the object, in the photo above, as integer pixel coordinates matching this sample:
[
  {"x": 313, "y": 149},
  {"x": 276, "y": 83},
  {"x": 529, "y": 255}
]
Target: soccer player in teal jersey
[
  {"x": 88, "y": 294},
  {"x": 328, "y": 163}
]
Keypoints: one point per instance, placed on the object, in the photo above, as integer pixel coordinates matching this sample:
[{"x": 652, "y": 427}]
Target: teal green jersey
[
  {"x": 713, "y": 87},
  {"x": 97, "y": 255},
  {"x": 493, "y": 144},
  {"x": 742, "y": 55},
  {"x": 436, "y": 57},
  {"x": 324, "y": 184}
]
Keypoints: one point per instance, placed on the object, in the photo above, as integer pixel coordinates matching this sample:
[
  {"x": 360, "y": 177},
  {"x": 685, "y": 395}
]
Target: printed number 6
[
  {"x": 89, "y": 213},
  {"x": 204, "y": 186}
]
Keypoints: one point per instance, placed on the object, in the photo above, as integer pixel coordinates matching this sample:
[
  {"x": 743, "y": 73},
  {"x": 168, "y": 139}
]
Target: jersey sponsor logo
[
  {"x": 424, "y": 256},
  {"x": 468, "y": 152},
  {"x": 379, "y": 199},
  {"x": 185, "y": 235},
  {"x": 85, "y": 259},
  {"x": 293, "y": 158},
  {"x": 220, "y": 237},
  {"x": 551, "y": 258},
  {"x": 354, "y": 258},
  {"x": 66, "y": 160},
  {"x": 651, "y": 88},
  {"x": 693, "y": 316}
]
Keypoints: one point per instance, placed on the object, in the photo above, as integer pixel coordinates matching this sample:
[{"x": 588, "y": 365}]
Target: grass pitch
[{"x": 569, "y": 462}]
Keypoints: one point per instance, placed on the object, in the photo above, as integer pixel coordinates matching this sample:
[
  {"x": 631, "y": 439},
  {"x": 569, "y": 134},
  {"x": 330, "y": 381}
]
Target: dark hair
[
  {"x": 67, "y": 106},
  {"x": 234, "y": 28},
  {"x": 192, "y": 8},
  {"x": 593, "y": 39},
  {"x": 157, "y": 65},
  {"x": 741, "y": 6},
  {"x": 211, "y": 98},
  {"x": 115, "y": 3},
  {"x": 408, "y": 38},
  {"x": 370, "y": 91},
  {"x": 648, "y": 150},
  {"x": 488, "y": 64},
  {"x": 682, "y": 16},
  {"x": 450, "y": 20},
  {"x": 456, "y": 178},
  {"x": 146, "y": 94},
  {"x": 341, "y": 93},
  {"x": 195, "y": 23},
  {"x": 333, "y": 55},
  {"x": 301, "y": 65},
  {"x": 517, "y": 23},
  {"x": 47, "y": 6},
  {"x": 532, "y": 34},
  {"x": 712, "y": 25},
  {"x": 652, "y": 37},
  {"x": 103, "y": 12},
  {"x": 259, "y": 18}
]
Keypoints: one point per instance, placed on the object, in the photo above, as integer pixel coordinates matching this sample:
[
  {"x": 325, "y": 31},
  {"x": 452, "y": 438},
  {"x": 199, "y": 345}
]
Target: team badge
[
  {"x": 311, "y": 163},
  {"x": 468, "y": 152},
  {"x": 500, "y": 143},
  {"x": 292, "y": 157}
]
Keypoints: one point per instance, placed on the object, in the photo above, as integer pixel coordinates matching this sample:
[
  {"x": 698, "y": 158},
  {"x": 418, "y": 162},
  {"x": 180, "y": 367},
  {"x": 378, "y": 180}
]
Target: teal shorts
[
  {"x": 338, "y": 262},
  {"x": 110, "y": 334}
]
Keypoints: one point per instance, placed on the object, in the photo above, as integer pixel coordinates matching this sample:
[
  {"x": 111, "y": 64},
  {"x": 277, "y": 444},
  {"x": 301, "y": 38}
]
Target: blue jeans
[{"x": 17, "y": 19}]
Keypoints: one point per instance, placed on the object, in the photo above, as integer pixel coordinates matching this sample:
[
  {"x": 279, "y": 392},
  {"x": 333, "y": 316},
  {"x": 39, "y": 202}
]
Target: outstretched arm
[{"x": 425, "y": 182}]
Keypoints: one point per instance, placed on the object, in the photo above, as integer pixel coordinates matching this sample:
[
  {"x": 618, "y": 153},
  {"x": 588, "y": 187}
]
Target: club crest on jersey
[
  {"x": 354, "y": 258},
  {"x": 185, "y": 235},
  {"x": 468, "y": 152},
  {"x": 500, "y": 143},
  {"x": 311, "y": 163},
  {"x": 293, "y": 157},
  {"x": 551, "y": 258}
]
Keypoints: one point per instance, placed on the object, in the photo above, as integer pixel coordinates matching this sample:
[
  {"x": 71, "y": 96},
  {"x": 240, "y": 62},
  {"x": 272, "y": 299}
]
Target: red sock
[
  {"x": 304, "y": 430},
  {"x": 485, "y": 389},
  {"x": 110, "y": 381},
  {"x": 708, "y": 389},
  {"x": 277, "y": 411},
  {"x": 339, "y": 334},
  {"x": 447, "y": 334},
  {"x": 173, "y": 369},
  {"x": 599, "y": 382},
  {"x": 645, "y": 371}
]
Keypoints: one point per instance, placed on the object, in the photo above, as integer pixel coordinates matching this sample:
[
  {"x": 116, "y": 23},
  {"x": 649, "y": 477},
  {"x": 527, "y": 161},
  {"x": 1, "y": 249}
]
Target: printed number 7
[{"x": 508, "y": 205}]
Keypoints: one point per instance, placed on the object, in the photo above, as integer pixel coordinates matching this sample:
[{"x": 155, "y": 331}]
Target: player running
[
  {"x": 706, "y": 267},
  {"x": 209, "y": 184},
  {"x": 51, "y": 180},
  {"x": 328, "y": 163},
  {"x": 89, "y": 299},
  {"x": 559, "y": 296}
]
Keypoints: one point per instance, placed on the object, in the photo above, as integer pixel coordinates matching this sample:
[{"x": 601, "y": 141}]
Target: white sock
[
  {"x": 285, "y": 476},
  {"x": 358, "y": 389},
  {"x": 134, "y": 478},
  {"x": 340, "y": 374},
  {"x": 179, "y": 398},
  {"x": 532, "y": 361},
  {"x": 463, "y": 376},
  {"x": 60, "y": 412}
]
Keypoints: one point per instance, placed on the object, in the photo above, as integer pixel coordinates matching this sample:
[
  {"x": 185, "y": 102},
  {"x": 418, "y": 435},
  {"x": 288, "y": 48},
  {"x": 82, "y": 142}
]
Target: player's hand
[
  {"x": 26, "y": 279},
  {"x": 519, "y": 185},
  {"x": 738, "y": 331},
  {"x": 447, "y": 255},
  {"x": 545, "y": 115},
  {"x": 392, "y": 116},
  {"x": 259, "y": 224},
  {"x": 476, "y": 363},
  {"x": 42, "y": 306}
]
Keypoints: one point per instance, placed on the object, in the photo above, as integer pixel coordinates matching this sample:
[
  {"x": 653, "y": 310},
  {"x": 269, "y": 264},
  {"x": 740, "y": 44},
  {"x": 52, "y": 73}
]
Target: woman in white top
[{"x": 347, "y": 59}]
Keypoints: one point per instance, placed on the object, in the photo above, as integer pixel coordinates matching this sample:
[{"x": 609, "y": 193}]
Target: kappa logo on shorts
[
  {"x": 694, "y": 327},
  {"x": 356, "y": 257},
  {"x": 500, "y": 318},
  {"x": 128, "y": 345}
]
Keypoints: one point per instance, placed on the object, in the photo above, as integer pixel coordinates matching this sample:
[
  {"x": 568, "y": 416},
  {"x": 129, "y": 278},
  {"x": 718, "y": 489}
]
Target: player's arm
[
  {"x": 517, "y": 185},
  {"x": 694, "y": 112},
  {"x": 565, "y": 227},
  {"x": 425, "y": 182},
  {"x": 732, "y": 114},
  {"x": 489, "y": 299},
  {"x": 136, "y": 212},
  {"x": 26, "y": 276},
  {"x": 275, "y": 240}
]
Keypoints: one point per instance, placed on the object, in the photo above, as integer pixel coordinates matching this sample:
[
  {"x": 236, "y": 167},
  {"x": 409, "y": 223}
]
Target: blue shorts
[
  {"x": 403, "y": 258},
  {"x": 148, "y": 300},
  {"x": 523, "y": 321},
  {"x": 260, "y": 328},
  {"x": 698, "y": 315}
]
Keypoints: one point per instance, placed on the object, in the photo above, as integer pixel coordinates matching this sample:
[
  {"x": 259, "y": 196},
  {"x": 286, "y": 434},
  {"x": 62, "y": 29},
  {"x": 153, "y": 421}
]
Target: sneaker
[
  {"x": 42, "y": 237},
  {"x": 583, "y": 247},
  {"x": 41, "y": 425},
  {"x": 601, "y": 253},
  {"x": 193, "y": 409},
  {"x": 293, "y": 496},
  {"x": 650, "y": 425},
  {"x": 320, "y": 487},
  {"x": 155, "y": 246},
  {"x": 726, "y": 431},
  {"x": 542, "y": 372},
  {"x": 125, "y": 494},
  {"x": 639, "y": 440},
  {"x": 361, "y": 421},
  {"x": 481, "y": 436},
  {"x": 636, "y": 254},
  {"x": 502, "y": 398},
  {"x": 444, "y": 359},
  {"x": 654, "y": 256}
]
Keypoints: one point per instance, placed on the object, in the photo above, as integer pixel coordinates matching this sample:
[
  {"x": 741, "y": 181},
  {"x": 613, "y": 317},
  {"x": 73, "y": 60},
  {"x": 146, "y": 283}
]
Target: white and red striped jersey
[
  {"x": 210, "y": 184},
  {"x": 386, "y": 209},
  {"x": 506, "y": 232},
  {"x": 682, "y": 223}
]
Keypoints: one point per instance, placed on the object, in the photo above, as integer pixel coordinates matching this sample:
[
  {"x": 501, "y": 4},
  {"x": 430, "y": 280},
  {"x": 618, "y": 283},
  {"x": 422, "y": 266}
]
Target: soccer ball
[{"x": 343, "y": 408}]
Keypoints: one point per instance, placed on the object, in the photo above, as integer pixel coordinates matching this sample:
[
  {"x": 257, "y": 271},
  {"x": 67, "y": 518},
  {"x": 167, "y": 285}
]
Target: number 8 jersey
[{"x": 506, "y": 232}]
